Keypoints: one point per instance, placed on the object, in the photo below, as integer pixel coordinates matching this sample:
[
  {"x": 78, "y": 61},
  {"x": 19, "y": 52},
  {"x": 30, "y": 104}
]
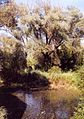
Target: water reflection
[
  {"x": 14, "y": 106},
  {"x": 48, "y": 104},
  {"x": 42, "y": 105}
]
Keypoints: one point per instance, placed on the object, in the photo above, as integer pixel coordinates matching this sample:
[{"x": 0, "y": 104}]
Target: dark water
[{"x": 49, "y": 104}]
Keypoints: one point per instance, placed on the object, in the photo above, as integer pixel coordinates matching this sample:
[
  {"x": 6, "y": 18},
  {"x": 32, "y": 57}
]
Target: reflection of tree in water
[
  {"x": 47, "y": 109},
  {"x": 36, "y": 105},
  {"x": 41, "y": 106},
  {"x": 15, "y": 107}
]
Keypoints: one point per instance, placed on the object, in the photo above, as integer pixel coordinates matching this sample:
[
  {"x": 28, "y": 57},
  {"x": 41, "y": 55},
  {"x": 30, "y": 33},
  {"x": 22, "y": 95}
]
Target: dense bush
[
  {"x": 12, "y": 61},
  {"x": 71, "y": 57}
]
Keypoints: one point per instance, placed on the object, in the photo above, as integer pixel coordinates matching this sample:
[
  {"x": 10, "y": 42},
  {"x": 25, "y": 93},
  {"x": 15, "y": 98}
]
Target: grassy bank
[{"x": 54, "y": 75}]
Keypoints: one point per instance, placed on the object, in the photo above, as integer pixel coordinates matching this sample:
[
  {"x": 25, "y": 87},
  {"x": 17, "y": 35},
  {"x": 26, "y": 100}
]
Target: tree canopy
[{"x": 53, "y": 29}]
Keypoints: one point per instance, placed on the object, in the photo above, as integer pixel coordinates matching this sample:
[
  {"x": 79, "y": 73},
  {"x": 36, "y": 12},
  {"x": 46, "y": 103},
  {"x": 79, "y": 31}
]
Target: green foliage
[
  {"x": 55, "y": 24},
  {"x": 13, "y": 59},
  {"x": 71, "y": 57},
  {"x": 33, "y": 49},
  {"x": 55, "y": 27},
  {"x": 54, "y": 74},
  {"x": 19, "y": 58},
  {"x": 47, "y": 26},
  {"x": 80, "y": 73},
  {"x": 52, "y": 39},
  {"x": 41, "y": 54},
  {"x": 79, "y": 114}
]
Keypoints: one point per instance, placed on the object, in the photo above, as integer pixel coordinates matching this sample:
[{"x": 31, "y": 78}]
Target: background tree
[
  {"x": 54, "y": 27},
  {"x": 8, "y": 14},
  {"x": 51, "y": 26}
]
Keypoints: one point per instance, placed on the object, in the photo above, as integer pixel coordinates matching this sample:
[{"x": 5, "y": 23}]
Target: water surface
[{"x": 48, "y": 104}]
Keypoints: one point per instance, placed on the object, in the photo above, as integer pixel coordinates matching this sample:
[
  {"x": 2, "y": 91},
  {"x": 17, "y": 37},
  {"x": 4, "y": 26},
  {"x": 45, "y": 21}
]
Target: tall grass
[{"x": 55, "y": 74}]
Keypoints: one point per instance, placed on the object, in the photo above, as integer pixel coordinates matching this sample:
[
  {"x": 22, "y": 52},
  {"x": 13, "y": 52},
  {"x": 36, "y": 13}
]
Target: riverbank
[
  {"x": 53, "y": 79},
  {"x": 63, "y": 90}
]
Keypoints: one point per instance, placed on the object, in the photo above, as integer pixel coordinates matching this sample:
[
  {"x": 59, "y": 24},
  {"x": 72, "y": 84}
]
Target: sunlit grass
[
  {"x": 56, "y": 75},
  {"x": 79, "y": 114}
]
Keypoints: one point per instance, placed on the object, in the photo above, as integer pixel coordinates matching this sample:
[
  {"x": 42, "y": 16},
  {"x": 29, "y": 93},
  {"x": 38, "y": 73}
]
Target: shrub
[
  {"x": 13, "y": 59},
  {"x": 54, "y": 74},
  {"x": 71, "y": 57},
  {"x": 79, "y": 114}
]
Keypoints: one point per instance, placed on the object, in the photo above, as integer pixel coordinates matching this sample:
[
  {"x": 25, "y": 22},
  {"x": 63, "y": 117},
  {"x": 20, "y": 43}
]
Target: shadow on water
[
  {"x": 42, "y": 105},
  {"x": 14, "y": 106},
  {"x": 47, "y": 104}
]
